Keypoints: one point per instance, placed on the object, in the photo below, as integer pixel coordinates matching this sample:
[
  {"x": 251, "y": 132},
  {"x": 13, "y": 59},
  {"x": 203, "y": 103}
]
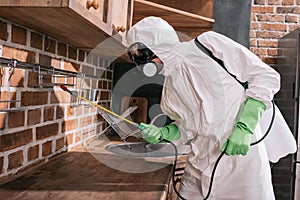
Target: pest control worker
[{"x": 204, "y": 99}]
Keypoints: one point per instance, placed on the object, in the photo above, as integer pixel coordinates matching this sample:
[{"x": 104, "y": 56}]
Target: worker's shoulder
[{"x": 210, "y": 34}]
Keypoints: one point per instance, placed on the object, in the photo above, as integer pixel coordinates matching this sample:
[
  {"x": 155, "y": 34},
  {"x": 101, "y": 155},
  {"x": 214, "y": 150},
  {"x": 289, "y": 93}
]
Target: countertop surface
[{"x": 90, "y": 172}]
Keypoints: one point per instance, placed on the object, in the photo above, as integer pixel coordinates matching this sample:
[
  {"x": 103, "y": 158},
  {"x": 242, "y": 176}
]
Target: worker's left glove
[
  {"x": 240, "y": 138},
  {"x": 154, "y": 134}
]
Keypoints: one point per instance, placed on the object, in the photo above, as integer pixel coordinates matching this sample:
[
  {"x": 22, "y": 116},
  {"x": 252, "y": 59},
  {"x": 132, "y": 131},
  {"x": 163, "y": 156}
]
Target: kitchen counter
[{"x": 90, "y": 172}]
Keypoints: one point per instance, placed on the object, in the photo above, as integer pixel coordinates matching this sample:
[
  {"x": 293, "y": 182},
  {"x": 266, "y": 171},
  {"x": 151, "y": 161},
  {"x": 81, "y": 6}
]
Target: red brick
[
  {"x": 2, "y": 120},
  {"x": 48, "y": 113},
  {"x": 33, "y": 79},
  {"x": 293, "y": 27},
  {"x": 276, "y": 34},
  {"x": 86, "y": 121},
  {"x": 16, "y": 139},
  {"x": 272, "y": 52},
  {"x": 17, "y": 78},
  {"x": 56, "y": 63},
  {"x": 105, "y": 95},
  {"x": 59, "y": 97},
  {"x": 79, "y": 111},
  {"x": 277, "y": 18},
  {"x": 69, "y": 125},
  {"x": 5, "y": 96},
  {"x": 288, "y": 10},
  {"x": 260, "y": 51},
  {"x": 18, "y": 35},
  {"x": 69, "y": 138},
  {"x": 34, "y": 117},
  {"x": 81, "y": 55},
  {"x": 94, "y": 83},
  {"x": 291, "y": 18},
  {"x": 47, "y": 148},
  {"x": 60, "y": 143},
  {"x": 15, "y": 160},
  {"x": 298, "y": 2},
  {"x": 262, "y": 34},
  {"x": 18, "y": 54},
  {"x": 59, "y": 112},
  {"x": 267, "y": 43},
  {"x": 1, "y": 164},
  {"x": 71, "y": 66},
  {"x": 109, "y": 85},
  {"x": 36, "y": 40},
  {"x": 263, "y": 17},
  {"x": 3, "y": 31},
  {"x": 85, "y": 133},
  {"x": 60, "y": 80},
  {"x": 269, "y": 60},
  {"x": 49, "y": 130},
  {"x": 49, "y": 45},
  {"x": 274, "y": 2},
  {"x": 62, "y": 49},
  {"x": 34, "y": 98},
  {"x": 273, "y": 27},
  {"x": 16, "y": 119},
  {"x": 72, "y": 53},
  {"x": 70, "y": 80},
  {"x": 100, "y": 84},
  {"x": 70, "y": 111},
  {"x": 108, "y": 75},
  {"x": 33, "y": 152},
  {"x": 45, "y": 60},
  {"x": 77, "y": 137},
  {"x": 287, "y": 2},
  {"x": 253, "y": 17},
  {"x": 263, "y": 9},
  {"x": 269, "y": 34}
]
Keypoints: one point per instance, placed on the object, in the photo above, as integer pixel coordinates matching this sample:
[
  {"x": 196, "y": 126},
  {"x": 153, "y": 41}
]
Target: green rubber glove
[
  {"x": 240, "y": 138},
  {"x": 154, "y": 134}
]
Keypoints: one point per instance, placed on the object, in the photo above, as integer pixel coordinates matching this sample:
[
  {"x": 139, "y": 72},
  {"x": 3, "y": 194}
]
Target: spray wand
[{"x": 75, "y": 94}]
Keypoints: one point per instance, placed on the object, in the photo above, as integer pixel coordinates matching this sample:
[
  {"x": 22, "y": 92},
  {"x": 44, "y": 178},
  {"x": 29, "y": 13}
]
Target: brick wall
[
  {"x": 41, "y": 123},
  {"x": 272, "y": 20}
]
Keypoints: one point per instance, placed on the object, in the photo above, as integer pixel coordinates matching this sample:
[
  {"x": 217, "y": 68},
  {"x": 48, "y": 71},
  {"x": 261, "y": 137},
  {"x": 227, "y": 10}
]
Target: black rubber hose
[{"x": 218, "y": 159}]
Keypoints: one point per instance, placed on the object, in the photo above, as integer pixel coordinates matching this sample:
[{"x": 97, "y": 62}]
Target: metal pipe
[{"x": 36, "y": 67}]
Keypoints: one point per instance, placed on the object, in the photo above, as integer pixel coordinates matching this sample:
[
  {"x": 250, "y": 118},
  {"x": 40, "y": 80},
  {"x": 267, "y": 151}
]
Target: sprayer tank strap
[{"x": 220, "y": 62}]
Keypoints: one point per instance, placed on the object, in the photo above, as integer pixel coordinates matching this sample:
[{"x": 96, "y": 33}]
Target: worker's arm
[
  {"x": 240, "y": 138},
  {"x": 263, "y": 81}
]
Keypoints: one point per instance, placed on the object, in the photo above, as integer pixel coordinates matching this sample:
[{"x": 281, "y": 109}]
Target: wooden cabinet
[
  {"x": 87, "y": 23},
  {"x": 80, "y": 23}
]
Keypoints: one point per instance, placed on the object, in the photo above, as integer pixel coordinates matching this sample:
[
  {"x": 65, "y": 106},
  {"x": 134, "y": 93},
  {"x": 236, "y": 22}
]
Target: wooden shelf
[
  {"x": 182, "y": 21},
  {"x": 71, "y": 24}
]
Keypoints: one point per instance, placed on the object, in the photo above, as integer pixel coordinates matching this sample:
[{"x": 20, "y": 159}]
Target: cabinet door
[
  {"x": 93, "y": 7},
  {"x": 109, "y": 15},
  {"x": 118, "y": 14}
]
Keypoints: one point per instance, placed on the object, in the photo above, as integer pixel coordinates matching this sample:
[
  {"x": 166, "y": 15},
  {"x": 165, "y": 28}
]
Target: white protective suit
[{"x": 204, "y": 99}]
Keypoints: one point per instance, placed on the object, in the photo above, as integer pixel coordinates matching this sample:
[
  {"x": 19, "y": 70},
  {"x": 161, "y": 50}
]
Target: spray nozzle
[{"x": 73, "y": 93}]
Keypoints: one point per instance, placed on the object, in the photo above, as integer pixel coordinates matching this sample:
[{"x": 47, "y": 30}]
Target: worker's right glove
[
  {"x": 240, "y": 138},
  {"x": 154, "y": 134}
]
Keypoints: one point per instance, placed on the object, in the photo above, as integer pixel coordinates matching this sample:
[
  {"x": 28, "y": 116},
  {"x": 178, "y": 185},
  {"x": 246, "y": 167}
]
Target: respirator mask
[{"x": 143, "y": 59}]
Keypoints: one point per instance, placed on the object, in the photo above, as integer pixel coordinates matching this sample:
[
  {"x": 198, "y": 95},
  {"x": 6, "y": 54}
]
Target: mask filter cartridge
[{"x": 149, "y": 69}]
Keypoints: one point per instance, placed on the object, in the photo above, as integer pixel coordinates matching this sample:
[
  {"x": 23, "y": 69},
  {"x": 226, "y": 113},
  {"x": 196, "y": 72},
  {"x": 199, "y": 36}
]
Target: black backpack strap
[{"x": 220, "y": 62}]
